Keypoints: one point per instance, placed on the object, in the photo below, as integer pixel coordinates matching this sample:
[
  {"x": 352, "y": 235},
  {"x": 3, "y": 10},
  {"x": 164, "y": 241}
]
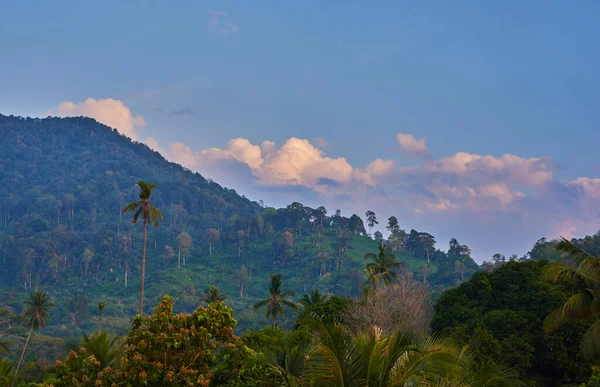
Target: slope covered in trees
[{"x": 65, "y": 182}]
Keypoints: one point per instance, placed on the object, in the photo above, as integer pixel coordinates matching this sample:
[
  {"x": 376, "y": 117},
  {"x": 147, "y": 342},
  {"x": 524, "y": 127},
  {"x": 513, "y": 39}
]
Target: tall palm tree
[
  {"x": 213, "y": 294},
  {"x": 36, "y": 314},
  {"x": 278, "y": 300},
  {"x": 149, "y": 213},
  {"x": 584, "y": 276},
  {"x": 315, "y": 297},
  {"x": 381, "y": 266},
  {"x": 101, "y": 306}
]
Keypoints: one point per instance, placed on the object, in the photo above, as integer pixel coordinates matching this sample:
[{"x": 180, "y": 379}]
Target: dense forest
[{"x": 290, "y": 296}]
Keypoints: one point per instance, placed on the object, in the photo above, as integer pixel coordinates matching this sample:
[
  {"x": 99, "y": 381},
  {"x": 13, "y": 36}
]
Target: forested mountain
[{"x": 65, "y": 181}]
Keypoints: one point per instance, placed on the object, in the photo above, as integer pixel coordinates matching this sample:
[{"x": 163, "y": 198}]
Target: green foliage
[
  {"x": 584, "y": 278},
  {"x": 500, "y": 316},
  {"x": 163, "y": 349},
  {"x": 277, "y": 302}
]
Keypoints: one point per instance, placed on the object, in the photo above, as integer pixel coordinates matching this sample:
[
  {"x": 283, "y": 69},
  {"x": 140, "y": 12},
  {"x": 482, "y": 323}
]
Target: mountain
[{"x": 64, "y": 182}]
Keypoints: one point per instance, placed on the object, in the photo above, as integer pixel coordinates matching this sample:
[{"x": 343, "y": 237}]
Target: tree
[
  {"x": 381, "y": 266},
  {"x": 378, "y": 237},
  {"x": 315, "y": 297},
  {"x": 584, "y": 276},
  {"x": 371, "y": 220},
  {"x": 213, "y": 294},
  {"x": 163, "y": 349},
  {"x": 7, "y": 373},
  {"x": 371, "y": 357},
  {"x": 213, "y": 236},
  {"x": 105, "y": 348},
  {"x": 277, "y": 302},
  {"x": 88, "y": 256},
  {"x": 242, "y": 279},
  {"x": 101, "y": 306},
  {"x": 149, "y": 213},
  {"x": 356, "y": 225},
  {"x": 36, "y": 313},
  {"x": 184, "y": 243},
  {"x": 167, "y": 254}
]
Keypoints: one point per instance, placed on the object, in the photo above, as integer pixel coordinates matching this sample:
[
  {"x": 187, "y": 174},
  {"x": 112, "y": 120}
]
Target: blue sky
[{"x": 472, "y": 78}]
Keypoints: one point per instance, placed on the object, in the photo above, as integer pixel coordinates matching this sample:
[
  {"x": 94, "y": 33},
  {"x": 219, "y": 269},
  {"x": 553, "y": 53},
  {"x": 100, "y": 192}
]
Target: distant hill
[{"x": 63, "y": 184}]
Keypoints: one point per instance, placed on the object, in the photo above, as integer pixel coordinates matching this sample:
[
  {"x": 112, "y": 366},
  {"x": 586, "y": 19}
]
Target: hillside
[{"x": 64, "y": 183}]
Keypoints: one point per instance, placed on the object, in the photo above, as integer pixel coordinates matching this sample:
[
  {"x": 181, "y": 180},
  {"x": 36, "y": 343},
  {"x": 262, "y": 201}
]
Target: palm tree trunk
[
  {"x": 24, "y": 349},
  {"x": 143, "y": 270}
]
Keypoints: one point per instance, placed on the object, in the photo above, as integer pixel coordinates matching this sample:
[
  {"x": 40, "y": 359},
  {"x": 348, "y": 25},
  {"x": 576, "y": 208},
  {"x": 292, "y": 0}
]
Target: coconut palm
[
  {"x": 6, "y": 372},
  {"x": 371, "y": 358},
  {"x": 36, "y": 314},
  {"x": 213, "y": 294},
  {"x": 584, "y": 276},
  {"x": 315, "y": 297},
  {"x": 100, "y": 310},
  {"x": 278, "y": 300},
  {"x": 105, "y": 348},
  {"x": 149, "y": 213},
  {"x": 381, "y": 266}
]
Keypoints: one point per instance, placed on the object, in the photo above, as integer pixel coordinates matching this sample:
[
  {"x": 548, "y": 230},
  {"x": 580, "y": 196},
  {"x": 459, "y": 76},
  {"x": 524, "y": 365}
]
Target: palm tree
[
  {"x": 278, "y": 301},
  {"x": 371, "y": 358},
  {"x": 315, "y": 298},
  {"x": 213, "y": 294},
  {"x": 6, "y": 372},
  {"x": 36, "y": 314},
  {"x": 381, "y": 266},
  {"x": 149, "y": 213},
  {"x": 105, "y": 348},
  {"x": 584, "y": 276},
  {"x": 100, "y": 310}
]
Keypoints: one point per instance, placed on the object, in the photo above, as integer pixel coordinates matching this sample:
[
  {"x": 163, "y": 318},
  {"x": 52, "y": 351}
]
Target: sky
[{"x": 467, "y": 119}]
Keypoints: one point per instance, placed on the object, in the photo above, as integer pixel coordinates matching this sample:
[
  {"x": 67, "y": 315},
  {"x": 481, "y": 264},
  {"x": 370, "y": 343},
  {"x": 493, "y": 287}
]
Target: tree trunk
[
  {"x": 100, "y": 321},
  {"x": 24, "y": 349},
  {"x": 179, "y": 258},
  {"x": 143, "y": 270},
  {"x": 125, "y": 276}
]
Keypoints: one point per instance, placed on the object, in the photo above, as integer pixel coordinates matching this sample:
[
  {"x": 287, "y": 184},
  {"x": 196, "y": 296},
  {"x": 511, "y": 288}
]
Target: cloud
[
  {"x": 218, "y": 21},
  {"x": 413, "y": 147},
  {"x": 183, "y": 112},
  {"x": 111, "y": 112},
  {"x": 321, "y": 142},
  {"x": 492, "y": 203}
]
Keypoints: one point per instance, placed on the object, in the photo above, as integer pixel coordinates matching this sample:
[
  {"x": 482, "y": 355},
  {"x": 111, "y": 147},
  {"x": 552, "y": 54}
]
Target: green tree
[
  {"x": 162, "y": 349},
  {"x": 149, "y": 213},
  {"x": 278, "y": 300},
  {"x": 381, "y": 266},
  {"x": 184, "y": 243},
  {"x": 584, "y": 276},
  {"x": 100, "y": 310},
  {"x": 315, "y": 297},
  {"x": 372, "y": 358},
  {"x": 7, "y": 372},
  {"x": 88, "y": 256},
  {"x": 213, "y": 294},
  {"x": 105, "y": 348},
  {"x": 36, "y": 313}
]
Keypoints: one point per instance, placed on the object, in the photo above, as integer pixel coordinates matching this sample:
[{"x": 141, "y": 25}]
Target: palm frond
[
  {"x": 574, "y": 252},
  {"x": 130, "y": 207},
  {"x": 590, "y": 347}
]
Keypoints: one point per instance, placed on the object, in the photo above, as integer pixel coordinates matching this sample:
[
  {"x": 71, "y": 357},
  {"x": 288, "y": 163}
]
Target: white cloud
[
  {"x": 411, "y": 146},
  {"x": 219, "y": 22},
  {"x": 111, "y": 112},
  {"x": 492, "y": 203}
]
